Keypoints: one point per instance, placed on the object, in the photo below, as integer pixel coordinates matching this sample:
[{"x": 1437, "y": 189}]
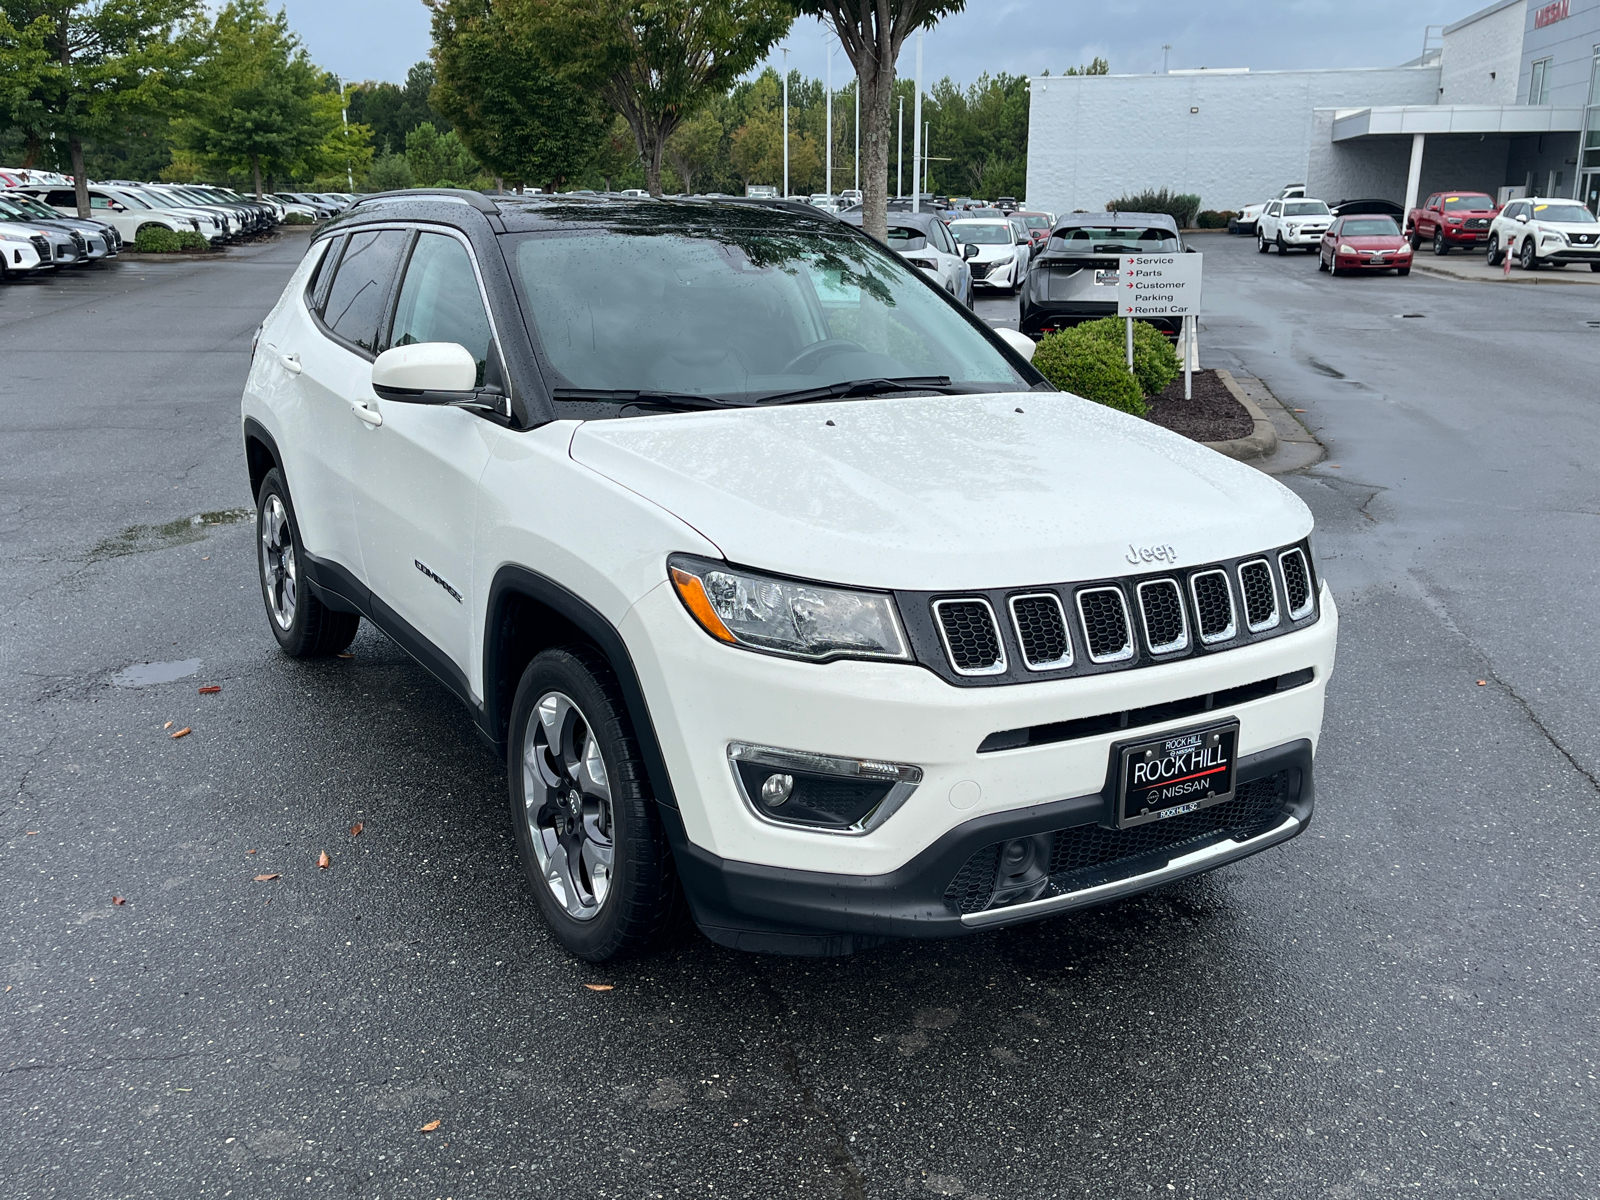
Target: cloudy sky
[{"x": 380, "y": 39}]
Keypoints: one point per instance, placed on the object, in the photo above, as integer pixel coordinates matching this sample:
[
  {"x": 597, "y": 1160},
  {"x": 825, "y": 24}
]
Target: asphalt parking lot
[{"x": 1401, "y": 1001}]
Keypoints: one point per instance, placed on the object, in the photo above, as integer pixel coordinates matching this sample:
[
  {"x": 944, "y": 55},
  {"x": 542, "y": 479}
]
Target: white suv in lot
[
  {"x": 1292, "y": 225},
  {"x": 1545, "y": 232},
  {"x": 793, "y": 596}
]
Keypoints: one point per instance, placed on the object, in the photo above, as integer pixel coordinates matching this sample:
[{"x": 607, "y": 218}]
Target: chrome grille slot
[
  {"x": 1260, "y": 597},
  {"x": 971, "y": 636},
  {"x": 1166, "y": 626},
  {"x": 1106, "y": 629},
  {"x": 1041, "y": 626},
  {"x": 1213, "y": 605},
  {"x": 1296, "y": 583}
]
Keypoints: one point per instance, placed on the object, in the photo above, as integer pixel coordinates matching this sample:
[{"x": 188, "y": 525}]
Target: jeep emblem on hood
[{"x": 1139, "y": 554}]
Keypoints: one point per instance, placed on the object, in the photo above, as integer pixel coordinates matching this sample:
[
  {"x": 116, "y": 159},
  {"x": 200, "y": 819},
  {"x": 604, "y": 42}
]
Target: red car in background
[
  {"x": 1039, "y": 225},
  {"x": 1452, "y": 220},
  {"x": 1364, "y": 243}
]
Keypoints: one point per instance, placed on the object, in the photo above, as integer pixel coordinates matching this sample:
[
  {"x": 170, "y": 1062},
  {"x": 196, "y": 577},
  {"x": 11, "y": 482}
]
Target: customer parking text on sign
[{"x": 1159, "y": 285}]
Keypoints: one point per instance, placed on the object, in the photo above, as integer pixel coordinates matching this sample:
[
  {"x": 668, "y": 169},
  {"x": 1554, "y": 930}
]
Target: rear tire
[
  {"x": 1416, "y": 242},
  {"x": 599, "y": 865},
  {"x": 1595, "y": 267},
  {"x": 303, "y": 625},
  {"x": 1403, "y": 271}
]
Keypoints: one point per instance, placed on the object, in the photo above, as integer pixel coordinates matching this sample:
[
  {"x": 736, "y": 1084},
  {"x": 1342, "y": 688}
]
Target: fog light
[{"x": 776, "y": 790}]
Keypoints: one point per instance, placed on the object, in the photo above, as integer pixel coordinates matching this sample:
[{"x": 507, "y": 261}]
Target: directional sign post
[{"x": 1161, "y": 285}]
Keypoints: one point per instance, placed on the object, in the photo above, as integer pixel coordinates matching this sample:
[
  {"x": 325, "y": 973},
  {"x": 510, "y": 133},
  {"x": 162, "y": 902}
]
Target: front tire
[
  {"x": 1440, "y": 246},
  {"x": 1261, "y": 242},
  {"x": 1416, "y": 242},
  {"x": 1282, "y": 248},
  {"x": 1493, "y": 255},
  {"x": 588, "y": 836},
  {"x": 303, "y": 625},
  {"x": 1528, "y": 259}
]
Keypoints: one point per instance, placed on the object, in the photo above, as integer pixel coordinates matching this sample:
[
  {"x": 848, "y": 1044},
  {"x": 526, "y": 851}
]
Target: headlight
[
  {"x": 1346, "y": 248},
  {"x": 787, "y": 616},
  {"x": 1452, "y": 220},
  {"x": 1403, "y": 248},
  {"x": 1293, "y": 229}
]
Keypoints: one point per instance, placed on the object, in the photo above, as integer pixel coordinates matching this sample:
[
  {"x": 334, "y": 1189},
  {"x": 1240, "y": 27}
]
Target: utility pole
[
  {"x": 927, "y": 162},
  {"x": 900, "y": 154},
  {"x": 828, "y": 186},
  {"x": 916, "y": 133},
  {"x": 1166, "y": 49},
  {"x": 786, "y": 122},
  {"x": 344, "y": 113}
]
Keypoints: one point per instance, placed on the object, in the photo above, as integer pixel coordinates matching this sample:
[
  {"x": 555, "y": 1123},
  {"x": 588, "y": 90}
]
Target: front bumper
[
  {"x": 1570, "y": 253},
  {"x": 1305, "y": 238},
  {"x": 20, "y": 257},
  {"x": 1366, "y": 262},
  {"x": 1001, "y": 275},
  {"x": 891, "y": 881}
]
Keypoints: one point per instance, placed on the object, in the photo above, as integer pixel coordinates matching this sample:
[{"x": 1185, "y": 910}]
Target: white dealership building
[{"x": 1508, "y": 97}]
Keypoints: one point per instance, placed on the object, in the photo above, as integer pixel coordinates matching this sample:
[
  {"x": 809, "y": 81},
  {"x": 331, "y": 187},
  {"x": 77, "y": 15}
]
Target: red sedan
[{"x": 1365, "y": 243}]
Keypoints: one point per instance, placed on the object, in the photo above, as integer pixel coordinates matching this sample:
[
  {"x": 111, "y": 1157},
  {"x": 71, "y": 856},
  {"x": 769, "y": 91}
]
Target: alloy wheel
[
  {"x": 567, "y": 794},
  {"x": 280, "y": 567}
]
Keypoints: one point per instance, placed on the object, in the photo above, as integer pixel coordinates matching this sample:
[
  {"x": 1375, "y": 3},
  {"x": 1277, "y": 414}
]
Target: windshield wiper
[
  {"x": 632, "y": 396},
  {"x": 859, "y": 387}
]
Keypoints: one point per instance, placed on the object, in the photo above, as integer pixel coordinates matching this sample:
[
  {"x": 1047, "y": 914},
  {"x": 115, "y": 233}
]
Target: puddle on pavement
[
  {"x": 146, "y": 674},
  {"x": 136, "y": 539}
]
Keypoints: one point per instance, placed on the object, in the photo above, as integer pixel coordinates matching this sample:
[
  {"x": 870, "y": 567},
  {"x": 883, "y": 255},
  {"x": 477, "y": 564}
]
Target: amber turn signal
[{"x": 693, "y": 594}]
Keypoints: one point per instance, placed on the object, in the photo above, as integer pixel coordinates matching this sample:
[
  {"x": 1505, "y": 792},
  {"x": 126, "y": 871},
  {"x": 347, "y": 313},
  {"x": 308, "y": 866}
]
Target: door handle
[
  {"x": 370, "y": 415},
  {"x": 291, "y": 362}
]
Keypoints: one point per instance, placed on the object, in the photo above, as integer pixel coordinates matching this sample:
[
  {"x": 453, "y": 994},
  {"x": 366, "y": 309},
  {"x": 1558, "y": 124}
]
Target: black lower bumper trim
[{"x": 779, "y": 911}]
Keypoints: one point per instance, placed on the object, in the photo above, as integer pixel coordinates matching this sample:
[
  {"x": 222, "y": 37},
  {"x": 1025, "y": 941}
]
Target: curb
[
  {"x": 1262, "y": 441},
  {"x": 175, "y": 256},
  {"x": 1517, "y": 276}
]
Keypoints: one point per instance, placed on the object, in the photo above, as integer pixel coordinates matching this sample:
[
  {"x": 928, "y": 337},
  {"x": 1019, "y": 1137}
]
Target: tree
[
  {"x": 259, "y": 104},
  {"x": 523, "y": 119},
  {"x": 694, "y": 146},
  {"x": 439, "y": 159},
  {"x": 872, "y": 32},
  {"x": 657, "y": 62},
  {"x": 393, "y": 110},
  {"x": 76, "y": 69}
]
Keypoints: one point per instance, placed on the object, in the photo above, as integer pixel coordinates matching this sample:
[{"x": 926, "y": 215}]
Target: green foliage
[
  {"x": 1181, "y": 207},
  {"x": 437, "y": 159},
  {"x": 157, "y": 239},
  {"x": 1212, "y": 219},
  {"x": 656, "y": 62},
  {"x": 189, "y": 240},
  {"x": 520, "y": 116},
  {"x": 296, "y": 218},
  {"x": 1090, "y": 367},
  {"x": 1155, "y": 362},
  {"x": 391, "y": 173},
  {"x": 258, "y": 104},
  {"x": 393, "y": 110},
  {"x": 983, "y": 131},
  {"x": 1098, "y": 67}
]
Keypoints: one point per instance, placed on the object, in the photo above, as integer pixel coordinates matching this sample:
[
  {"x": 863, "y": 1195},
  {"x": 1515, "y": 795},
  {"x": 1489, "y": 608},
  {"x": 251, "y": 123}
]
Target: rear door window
[{"x": 361, "y": 284}]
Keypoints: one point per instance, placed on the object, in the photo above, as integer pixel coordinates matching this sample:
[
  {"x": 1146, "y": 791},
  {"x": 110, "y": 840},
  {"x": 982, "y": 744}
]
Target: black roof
[
  {"x": 1124, "y": 220},
  {"x": 916, "y": 220}
]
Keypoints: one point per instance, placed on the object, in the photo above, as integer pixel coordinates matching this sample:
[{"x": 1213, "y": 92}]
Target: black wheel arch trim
[
  {"x": 520, "y": 581},
  {"x": 255, "y": 431}
]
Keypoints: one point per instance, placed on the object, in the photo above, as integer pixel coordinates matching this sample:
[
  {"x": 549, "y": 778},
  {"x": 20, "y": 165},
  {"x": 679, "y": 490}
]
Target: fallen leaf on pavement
[
  {"x": 119, "y": 900},
  {"x": 249, "y": 851},
  {"x": 184, "y": 732},
  {"x": 598, "y": 987},
  {"x": 355, "y": 830},
  {"x": 1483, "y": 683},
  {"x": 1299, "y": 410},
  {"x": 210, "y": 691},
  {"x": 168, "y": 725},
  {"x": 430, "y": 1126},
  {"x": 31, "y": 833},
  {"x": 264, "y": 878},
  {"x": 324, "y": 861},
  {"x": 8, "y": 987}
]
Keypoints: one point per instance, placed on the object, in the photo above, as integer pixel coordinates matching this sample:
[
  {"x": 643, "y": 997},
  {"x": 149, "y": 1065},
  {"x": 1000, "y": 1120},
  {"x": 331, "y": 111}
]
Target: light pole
[
  {"x": 858, "y": 135},
  {"x": 916, "y": 133},
  {"x": 344, "y": 113},
  {"x": 1166, "y": 49},
  {"x": 786, "y": 122},
  {"x": 828, "y": 185},
  {"x": 927, "y": 162},
  {"x": 900, "y": 153}
]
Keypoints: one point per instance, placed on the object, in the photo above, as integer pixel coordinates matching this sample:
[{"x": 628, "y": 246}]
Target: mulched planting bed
[{"x": 1212, "y": 415}]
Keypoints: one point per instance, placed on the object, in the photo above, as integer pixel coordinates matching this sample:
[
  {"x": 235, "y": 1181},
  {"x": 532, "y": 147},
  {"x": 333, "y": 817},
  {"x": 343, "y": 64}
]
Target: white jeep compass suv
[{"x": 792, "y": 594}]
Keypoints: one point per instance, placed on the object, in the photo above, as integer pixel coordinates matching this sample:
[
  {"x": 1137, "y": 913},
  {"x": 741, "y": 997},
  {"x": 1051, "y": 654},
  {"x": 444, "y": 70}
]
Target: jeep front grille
[
  {"x": 1260, "y": 597},
  {"x": 1105, "y": 624},
  {"x": 970, "y": 636},
  {"x": 1213, "y": 605},
  {"x": 1296, "y": 582},
  {"x": 1042, "y": 631},
  {"x": 1166, "y": 628}
]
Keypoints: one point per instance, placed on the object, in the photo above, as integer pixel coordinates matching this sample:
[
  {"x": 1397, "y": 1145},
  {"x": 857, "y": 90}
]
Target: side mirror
[
  {"x": 969, "y": 250},
  {"x": 426, "y": 373},
  {"x": 1020, "y": 342},
  {"x": 115, "y": 207},
  {"x": 1523, "y": 217}
]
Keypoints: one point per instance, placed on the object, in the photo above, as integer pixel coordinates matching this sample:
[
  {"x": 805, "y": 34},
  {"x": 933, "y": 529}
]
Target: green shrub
[
  {"x": 1155, "y": 362},
  {"x": 188, "y": 239},
  {"x": 1212, "y": 219},
  {"x": 157, "y": 239},
  {"x": 1089, "y": 367},
  {"x": 1181, "y": 207},
  {"x": 299, "y": 219}
]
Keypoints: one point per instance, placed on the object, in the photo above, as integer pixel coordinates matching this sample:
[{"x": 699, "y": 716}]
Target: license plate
[
  {"x": 1106, "y": 278},
  {"x": 1177, "y": 773}
]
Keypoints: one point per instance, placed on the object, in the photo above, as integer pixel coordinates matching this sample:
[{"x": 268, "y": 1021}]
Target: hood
[
  {"x": 994, "y": 253},
  {"x": 944, "y": 492},
  {"x": 1374, "y": 241}
]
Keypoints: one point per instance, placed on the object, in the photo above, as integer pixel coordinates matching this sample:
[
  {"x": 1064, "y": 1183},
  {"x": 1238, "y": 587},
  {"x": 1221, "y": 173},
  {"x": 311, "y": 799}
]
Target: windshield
[
  {"x": 1574, "y": 213},
  {"x": 1305, "y": 208},
  {"x": 983, "y": 233},
  {"x": 157, "y": 200},
  {"x": 1088, "y": 239},
  {"x": 9, "y": 212},
  {"x": 28, "y": 204},
  {"x": 129, "y": 199},
  {"x": 1036, "y": 222},
  {"x": 1468, "y": 202},
  {"x": 694, "y": 304},
  {"x": 1370, "y": 227}
]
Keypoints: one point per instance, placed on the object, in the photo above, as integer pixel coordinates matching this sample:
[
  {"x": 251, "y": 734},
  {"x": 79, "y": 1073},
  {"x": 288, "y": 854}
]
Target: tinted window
[
  {"x": 316, "y": 287},
  {"x": 905, "y": 237},
  {"x": 941, "y": 237},
  {"x": 1306, "y": 208},
  {"x": 1087, "y": 239},
  {"x": 440, "y": 301},
  {"x": 355, "y": 301},
  {"x": 62, "y": 200}
]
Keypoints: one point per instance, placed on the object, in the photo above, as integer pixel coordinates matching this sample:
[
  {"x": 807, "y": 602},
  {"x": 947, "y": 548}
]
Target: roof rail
[{"x": 477, "y": 199}]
